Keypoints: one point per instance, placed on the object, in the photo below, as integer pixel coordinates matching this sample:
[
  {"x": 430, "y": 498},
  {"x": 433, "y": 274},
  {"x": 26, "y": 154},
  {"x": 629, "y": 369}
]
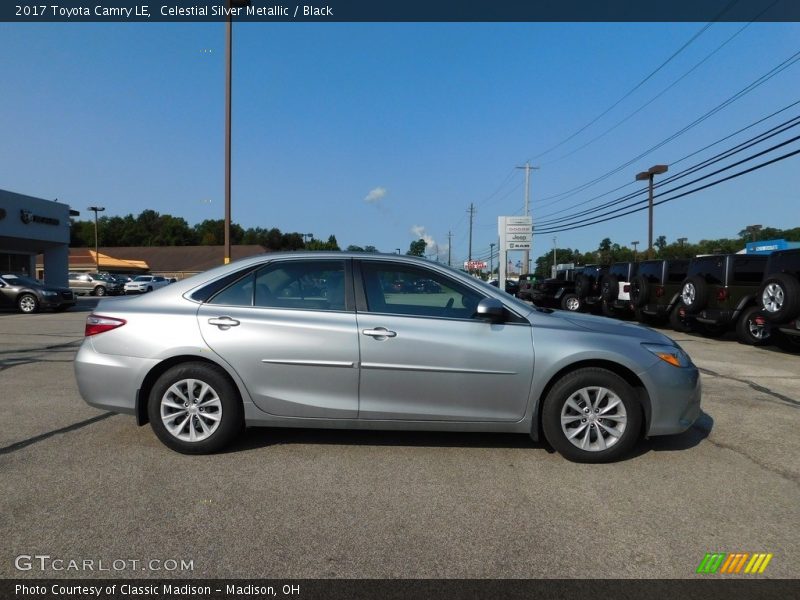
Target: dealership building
[{"x": 30, "y": 226}]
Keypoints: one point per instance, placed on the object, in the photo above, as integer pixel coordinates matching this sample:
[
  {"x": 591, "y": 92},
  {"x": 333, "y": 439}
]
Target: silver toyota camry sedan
[{"x": 357, "y": 341}]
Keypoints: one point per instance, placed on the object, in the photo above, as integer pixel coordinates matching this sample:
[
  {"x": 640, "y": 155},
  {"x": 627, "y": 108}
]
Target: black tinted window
[
  {"x": 677, "y": 270},
  {"x": 621, "y": 270},
  {"x": 748, "y": 271},
  {"x": 238, "y": 294}
]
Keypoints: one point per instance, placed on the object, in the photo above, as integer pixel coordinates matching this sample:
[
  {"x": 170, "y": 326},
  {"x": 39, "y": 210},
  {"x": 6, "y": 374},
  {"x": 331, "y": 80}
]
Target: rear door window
[
  {"x": 748, "y": 271},
  {"x": 709, "y": 268}
]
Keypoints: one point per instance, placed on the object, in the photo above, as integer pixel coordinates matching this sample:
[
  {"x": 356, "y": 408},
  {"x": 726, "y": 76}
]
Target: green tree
[{"x": 417, "y": 248}]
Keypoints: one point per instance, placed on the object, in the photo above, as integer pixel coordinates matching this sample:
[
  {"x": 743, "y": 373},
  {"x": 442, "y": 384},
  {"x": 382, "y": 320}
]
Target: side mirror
[{"x": 491, "y": 309}]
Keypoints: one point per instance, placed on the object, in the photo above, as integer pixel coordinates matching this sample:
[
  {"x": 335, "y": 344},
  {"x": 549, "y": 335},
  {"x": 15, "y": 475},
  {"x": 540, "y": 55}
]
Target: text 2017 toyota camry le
[{"x": 325, "y": 340}]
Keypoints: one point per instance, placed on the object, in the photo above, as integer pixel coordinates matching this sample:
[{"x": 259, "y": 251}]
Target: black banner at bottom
[{"x": 401, "y": 589}]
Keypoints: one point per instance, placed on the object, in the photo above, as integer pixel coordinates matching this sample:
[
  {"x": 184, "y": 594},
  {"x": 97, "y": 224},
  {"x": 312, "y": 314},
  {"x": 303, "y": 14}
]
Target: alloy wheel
[
  {"x": 772, "y": 297},
  {"x": 191, "y": 410},
  {"x": 688, "y": 294},
  {"x": 593, "y": 418}
]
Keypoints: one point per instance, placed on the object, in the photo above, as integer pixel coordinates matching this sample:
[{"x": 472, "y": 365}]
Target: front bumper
[{"x": 675, "y": 395}]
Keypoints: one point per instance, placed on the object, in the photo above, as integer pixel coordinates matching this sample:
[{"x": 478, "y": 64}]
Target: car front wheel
[
  {"x": 27, "y": 303},
  {"x": 195, "y": 409},
  {"x": 592, "y": 415},
  {"x": 99, "y": 291}
]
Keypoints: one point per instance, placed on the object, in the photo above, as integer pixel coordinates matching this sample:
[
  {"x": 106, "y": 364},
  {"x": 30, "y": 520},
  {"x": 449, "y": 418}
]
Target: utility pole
[
  {"x": 555, "y": 241},
  {"x": 527, "y": 168},
  {"x": 471, "y": 212},
  {"x": 491, "y": 260},
  {"x": 449, "y": 249}
]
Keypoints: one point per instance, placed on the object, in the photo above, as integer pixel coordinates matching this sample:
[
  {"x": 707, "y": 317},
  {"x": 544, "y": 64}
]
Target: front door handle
[
  {"x": 380, "y": 333},
  {"x": 223, "y": 322}
]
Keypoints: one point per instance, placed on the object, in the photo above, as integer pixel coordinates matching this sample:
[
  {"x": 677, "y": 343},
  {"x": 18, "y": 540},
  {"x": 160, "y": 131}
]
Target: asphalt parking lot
[{"x": 81, "y": 484}]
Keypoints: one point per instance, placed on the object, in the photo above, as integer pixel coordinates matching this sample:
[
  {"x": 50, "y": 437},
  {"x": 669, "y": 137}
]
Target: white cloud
[
  {"x": 376, "y": 195},
  {"x": 431, "y": 245}
]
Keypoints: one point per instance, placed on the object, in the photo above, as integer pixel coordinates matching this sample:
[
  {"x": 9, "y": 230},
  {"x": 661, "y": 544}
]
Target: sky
[{"x": 381, "y": 133}]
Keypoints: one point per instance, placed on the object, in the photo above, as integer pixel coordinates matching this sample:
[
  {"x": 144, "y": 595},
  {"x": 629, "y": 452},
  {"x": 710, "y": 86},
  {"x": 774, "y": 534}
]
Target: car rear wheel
[
  {"x": 195, "y": 409},
  {"x": 592, "y": 415},
  {"x": 99, "y": 291},
  {"x": 751, "y": 327},
  {"x": 27, "y": 303}
]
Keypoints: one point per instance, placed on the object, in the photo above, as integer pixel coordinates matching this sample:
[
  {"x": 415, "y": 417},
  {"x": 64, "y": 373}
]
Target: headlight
[
  {"x": 673, "y": 355},
  {"x": 49, "y": 294}
]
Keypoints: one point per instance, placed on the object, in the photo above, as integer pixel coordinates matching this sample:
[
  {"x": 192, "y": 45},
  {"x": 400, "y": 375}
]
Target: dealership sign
[
  {"x": 28, "y": 217},
  {"x": 515, "y": 232}
]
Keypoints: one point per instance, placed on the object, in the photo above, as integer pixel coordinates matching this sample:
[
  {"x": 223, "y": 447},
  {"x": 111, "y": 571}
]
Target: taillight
[
  {"x": 98, "y": 324},
  {"x": 659, "y": 291},
  {"x": 722, "y": 295}
]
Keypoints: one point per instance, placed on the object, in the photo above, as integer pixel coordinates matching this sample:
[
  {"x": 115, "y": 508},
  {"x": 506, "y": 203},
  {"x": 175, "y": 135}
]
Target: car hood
[{"x": 610, "y": 326}]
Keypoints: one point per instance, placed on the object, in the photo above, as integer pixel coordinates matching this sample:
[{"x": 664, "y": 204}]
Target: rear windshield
[
  {"x": 710, "y": 268},
  {"x": 677, "y": 270},
  {"x": 621, "y": 270},
  {"x": 651, "y": 270}
]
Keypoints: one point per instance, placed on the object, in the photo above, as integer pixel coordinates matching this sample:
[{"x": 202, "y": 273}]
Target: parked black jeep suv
[
  {"x": 656, "y": 289},
  {"x": 721, "y": 292},
  {"x": 550, "y": 292},
  {"x": 779, "y": 298},
  {"x": 587, "y": 289}
]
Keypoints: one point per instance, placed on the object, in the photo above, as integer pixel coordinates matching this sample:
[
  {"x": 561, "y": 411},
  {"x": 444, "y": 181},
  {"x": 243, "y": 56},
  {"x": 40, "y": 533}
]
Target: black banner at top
[{"x": 400, "y": 10}]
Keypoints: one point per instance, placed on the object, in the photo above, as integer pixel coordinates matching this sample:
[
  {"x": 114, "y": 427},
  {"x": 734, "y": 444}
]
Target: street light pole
[
  {"x": 649, "y": 175},
  {"x": 635, "y": 248},
  {"x": 96, "y": 209},
  {"x": 228, "y": 77}
]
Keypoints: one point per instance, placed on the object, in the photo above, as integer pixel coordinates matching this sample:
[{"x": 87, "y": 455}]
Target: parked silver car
[
  {"x": 323, "y": 340},
  {"x": 145, "y": 283}
]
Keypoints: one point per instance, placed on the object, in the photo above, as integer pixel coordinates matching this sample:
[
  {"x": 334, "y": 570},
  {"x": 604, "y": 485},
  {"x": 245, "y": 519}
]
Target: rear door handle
[
  {"x": 223, "y": 322},
  {"x": 379, "y": 333}
]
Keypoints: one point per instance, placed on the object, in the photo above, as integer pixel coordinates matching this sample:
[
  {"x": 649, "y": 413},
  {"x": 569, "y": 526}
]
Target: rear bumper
[{"x": 109, "y": 381}]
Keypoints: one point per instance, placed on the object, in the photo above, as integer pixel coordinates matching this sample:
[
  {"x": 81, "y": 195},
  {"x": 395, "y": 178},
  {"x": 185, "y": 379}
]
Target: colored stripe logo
[{"x": 734, "y": 563}]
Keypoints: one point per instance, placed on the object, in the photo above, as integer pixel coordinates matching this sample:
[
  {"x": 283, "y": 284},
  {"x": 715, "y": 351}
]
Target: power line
[
  {"x": 678, "y": 161},
  {"x": 611, "y": 216},
  {"x": 785, "y": 126},
  {"x": 737, "y": 96}
]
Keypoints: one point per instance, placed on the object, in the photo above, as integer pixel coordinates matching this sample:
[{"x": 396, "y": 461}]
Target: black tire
[
  {"x": 609, "y": 288},
  {"x": 694, "y": 294},
  {"x": 149, "y": 288},
  {"x": 749, "y": 331},
  {"x": 786, "y": 342},
  {"x": 640, "y": 291},
  {"x": 677, "y": 322},
  {"x": 571, "y": 302},
  {"x": 99, "y": 291},
  {"x": 582, "y": 286},
  {"x": 229, "y": 406},
  {"x": 27, "y": 303},
  {"x": 779, "y": 296},
  {"x": 555, "y": 405}
]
